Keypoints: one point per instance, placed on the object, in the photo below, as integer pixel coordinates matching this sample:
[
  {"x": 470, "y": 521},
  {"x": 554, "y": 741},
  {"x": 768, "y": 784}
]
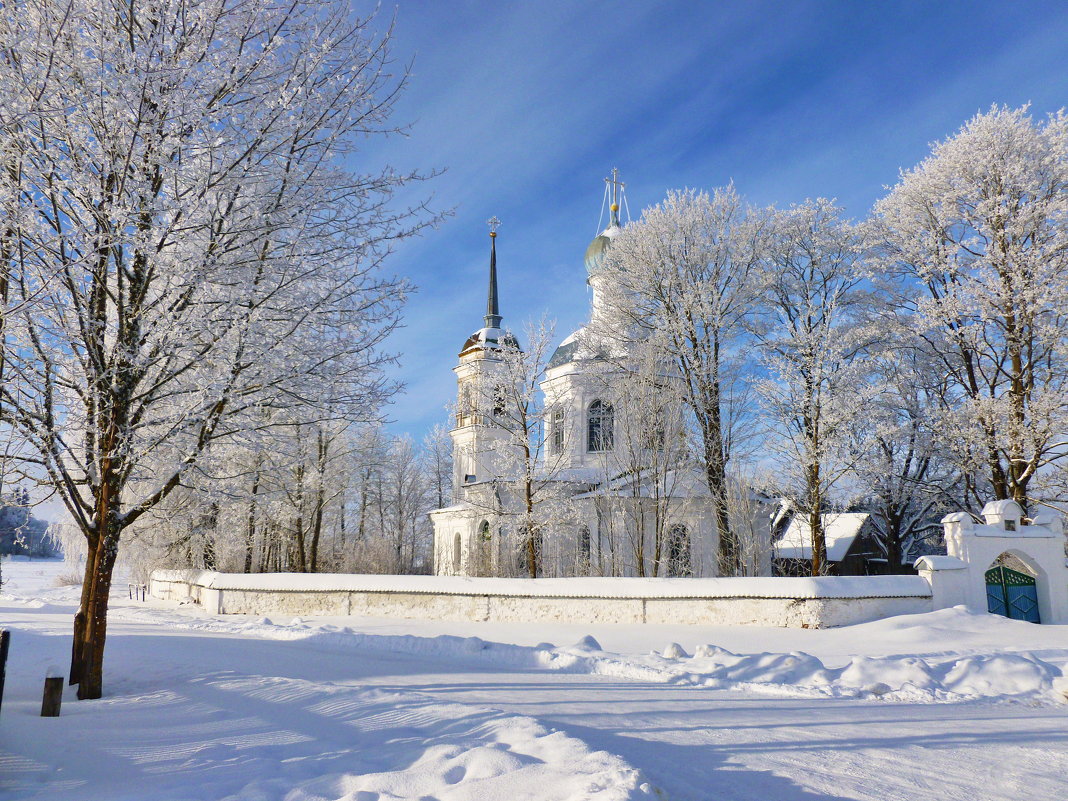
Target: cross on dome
[{"x": 616, "y": 188}]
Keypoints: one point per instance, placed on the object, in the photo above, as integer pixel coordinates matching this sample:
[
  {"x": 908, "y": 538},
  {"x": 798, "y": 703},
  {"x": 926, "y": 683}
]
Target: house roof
[{"x": 840, "y": 529}]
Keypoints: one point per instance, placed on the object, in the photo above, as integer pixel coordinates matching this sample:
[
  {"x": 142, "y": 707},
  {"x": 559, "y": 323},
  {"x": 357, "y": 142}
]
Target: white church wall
[{"x": 791, "y": 602}]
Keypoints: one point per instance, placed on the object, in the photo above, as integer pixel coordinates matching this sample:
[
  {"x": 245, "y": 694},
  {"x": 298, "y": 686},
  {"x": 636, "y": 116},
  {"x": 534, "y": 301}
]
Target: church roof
[
  {"x": 565, "y": 353},
  {"x": 489, "y": 338}
]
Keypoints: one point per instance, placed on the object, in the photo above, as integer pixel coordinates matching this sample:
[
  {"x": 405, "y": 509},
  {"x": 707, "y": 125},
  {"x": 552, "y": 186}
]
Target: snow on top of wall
[
  {"x": 840, "y": 529},
  {"x": 593, "y": 587}
]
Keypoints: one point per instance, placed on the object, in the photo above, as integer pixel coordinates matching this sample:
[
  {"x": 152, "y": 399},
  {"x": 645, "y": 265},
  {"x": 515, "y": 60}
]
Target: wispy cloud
[{"x": 529, "y": 105}]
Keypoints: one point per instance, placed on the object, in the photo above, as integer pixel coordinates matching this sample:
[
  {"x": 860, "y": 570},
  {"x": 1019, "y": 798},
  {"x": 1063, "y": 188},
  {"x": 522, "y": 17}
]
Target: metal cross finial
[
  {"x": 493, "y": 224},
  {"x": 616, "y": 184}
]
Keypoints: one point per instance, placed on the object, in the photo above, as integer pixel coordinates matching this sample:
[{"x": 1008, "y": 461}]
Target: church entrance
[{"x": 1012, "y": 594}]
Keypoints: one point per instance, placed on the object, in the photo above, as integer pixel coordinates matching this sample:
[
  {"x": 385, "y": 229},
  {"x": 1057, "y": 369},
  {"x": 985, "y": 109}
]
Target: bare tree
[{"x": 194, "y": 249}]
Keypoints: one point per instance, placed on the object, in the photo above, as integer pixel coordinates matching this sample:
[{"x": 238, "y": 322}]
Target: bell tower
[{"x": 477, "y": 443}]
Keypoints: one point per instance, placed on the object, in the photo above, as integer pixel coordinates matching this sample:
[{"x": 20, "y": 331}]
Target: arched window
[
  {"x": 465, "y": 406},
  {"x": 600, "y": 422},
  {"x": 500, "y": 400},
  {"x": 457, "y": 553},
  {"x": 678, "y": 551},
  {"x": 584, "y": 550},
  {"x": 484, "y": 551},
  {"x": 556, "y": 441}
]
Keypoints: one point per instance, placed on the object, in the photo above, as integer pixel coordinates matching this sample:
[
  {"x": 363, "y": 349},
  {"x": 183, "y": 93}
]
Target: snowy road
[{"x": 195, "y": 713}]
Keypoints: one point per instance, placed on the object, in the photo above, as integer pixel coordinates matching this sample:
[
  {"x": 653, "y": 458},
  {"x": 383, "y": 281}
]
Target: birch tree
[
  {"x": 975, "y": 248},
  {"x": 195, "y": 249}
]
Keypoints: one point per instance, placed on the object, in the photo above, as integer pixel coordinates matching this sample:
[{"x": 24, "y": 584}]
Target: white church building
[{"x": 606, "y": 506}]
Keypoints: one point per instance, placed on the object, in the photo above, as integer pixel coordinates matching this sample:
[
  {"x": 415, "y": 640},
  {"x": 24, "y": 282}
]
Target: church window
[
  {"x": 465, "y": 409},
  {"x": 599, "y": 427},
  {"x": 484, "y": 551},
  {"x": 678, "y": 551},
  {"x": 584, "y": 550},
  {"x": 457, "y": 553},
  {"x": 557, "y": 431}
]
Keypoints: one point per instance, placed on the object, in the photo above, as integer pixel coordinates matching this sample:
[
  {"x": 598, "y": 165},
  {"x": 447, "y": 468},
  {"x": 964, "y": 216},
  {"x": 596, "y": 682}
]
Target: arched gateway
[{"x": 1009, "y": 564}]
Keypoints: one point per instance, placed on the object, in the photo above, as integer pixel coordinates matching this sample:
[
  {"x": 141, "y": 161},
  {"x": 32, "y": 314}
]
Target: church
[{"x": 602, "y": 486}]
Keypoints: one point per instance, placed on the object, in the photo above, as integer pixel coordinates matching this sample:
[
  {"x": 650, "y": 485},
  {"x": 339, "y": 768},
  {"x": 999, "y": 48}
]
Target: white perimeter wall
[{"x": 793, "y": 602}]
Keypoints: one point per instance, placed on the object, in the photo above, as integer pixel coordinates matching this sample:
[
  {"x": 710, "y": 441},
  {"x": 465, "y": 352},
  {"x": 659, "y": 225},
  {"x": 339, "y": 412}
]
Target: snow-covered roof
[
  {"x": 840, "y": 529},
  {"x": 489, "y": 339},
  {"x": 586, "y": 587},
  {"x": 565, "y": 352},
  {"x": 1002, "y": 510}
]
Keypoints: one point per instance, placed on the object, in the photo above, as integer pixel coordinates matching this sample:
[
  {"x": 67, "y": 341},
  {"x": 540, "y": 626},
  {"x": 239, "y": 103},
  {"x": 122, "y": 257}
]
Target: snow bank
[
  {"x": 449, "y": 752},
  {"x": 954, "y": 678}
]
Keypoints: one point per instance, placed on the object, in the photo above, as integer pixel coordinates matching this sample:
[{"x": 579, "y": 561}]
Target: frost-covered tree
[
  {"x": 311, "y": 497},
  {"x": 811, "y": 337},
  {"x": 639, "y": 489},
  {"x": 195, "y": 250},
  {"x": 687, "y": 272},
  {"x": 437, "y": 455},
  {"x": 975, "y": 247},
  {"x": 508, "y": 401},
  {"x": 902, "y": 467}
]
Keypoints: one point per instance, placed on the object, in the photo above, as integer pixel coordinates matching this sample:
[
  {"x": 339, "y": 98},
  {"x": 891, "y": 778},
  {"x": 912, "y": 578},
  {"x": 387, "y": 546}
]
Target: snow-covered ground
[{"x": 946, "y": 705}]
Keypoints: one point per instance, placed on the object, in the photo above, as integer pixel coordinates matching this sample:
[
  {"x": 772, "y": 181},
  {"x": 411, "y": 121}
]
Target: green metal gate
[{"x": 1012, "y": 594}]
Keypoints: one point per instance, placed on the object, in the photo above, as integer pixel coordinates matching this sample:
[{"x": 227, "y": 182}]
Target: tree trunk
[
  {"x": 716, "y": 477},
  {"x": 91, "y": 684},
  {"x": 815, "y": 522},
  {"x": 298, "y": 524},
  {"x": 531, "y": 529}
]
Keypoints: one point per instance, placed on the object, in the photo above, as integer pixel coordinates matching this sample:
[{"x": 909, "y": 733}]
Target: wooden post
[
  {"x": 5, "y": 639},
  {"x": 53, "y": 696}
]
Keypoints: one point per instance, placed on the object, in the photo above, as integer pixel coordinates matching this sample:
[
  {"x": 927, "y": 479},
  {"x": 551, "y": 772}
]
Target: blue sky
[{"x": 528, "y": 106}]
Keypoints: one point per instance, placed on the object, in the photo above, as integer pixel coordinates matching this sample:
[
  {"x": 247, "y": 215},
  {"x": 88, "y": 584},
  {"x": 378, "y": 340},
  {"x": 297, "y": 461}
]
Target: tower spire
[
  {"x": 617, "y": 187},
  {"x": 493, "y": 311}
]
